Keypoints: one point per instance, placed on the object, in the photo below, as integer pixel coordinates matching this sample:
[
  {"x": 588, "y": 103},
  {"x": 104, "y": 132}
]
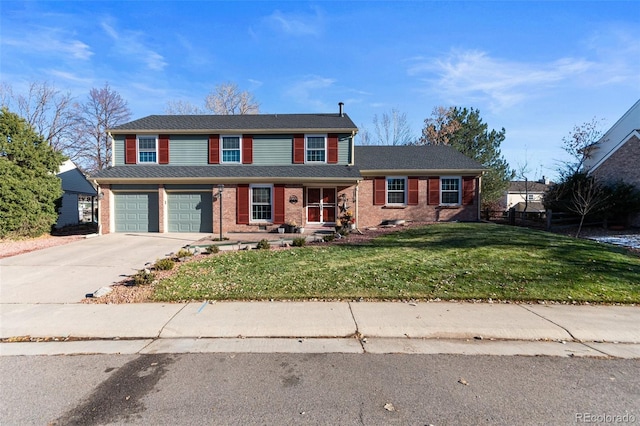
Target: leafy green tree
[
  {"x": 464, "y": 130},
  {"x": 29, "y": 187}
]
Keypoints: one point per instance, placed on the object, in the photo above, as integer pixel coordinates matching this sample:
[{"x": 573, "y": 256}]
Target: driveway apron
[{"x": 65, "y": 274}]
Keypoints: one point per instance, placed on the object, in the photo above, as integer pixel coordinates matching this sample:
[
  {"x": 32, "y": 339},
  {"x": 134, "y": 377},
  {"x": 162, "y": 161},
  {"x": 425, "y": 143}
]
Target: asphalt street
[{"x": 369, "y": 389}]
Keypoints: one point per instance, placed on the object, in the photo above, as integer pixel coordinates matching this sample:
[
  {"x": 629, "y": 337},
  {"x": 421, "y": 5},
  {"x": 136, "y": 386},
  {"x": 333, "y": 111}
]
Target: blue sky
[{"x": 534, "y": 68}]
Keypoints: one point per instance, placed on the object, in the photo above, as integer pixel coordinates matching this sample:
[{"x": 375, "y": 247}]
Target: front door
[{"x": 321, "y": 205}]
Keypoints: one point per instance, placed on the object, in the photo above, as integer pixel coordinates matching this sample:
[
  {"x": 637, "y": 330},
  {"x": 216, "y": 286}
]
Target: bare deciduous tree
[
  {"x": 52, "y": 114},
  {"x": 364, "y": 136},
  {"x": 439, "y": 128},
  {"x": 580, "y": 145},
  {"x": 183, "y": 108},
  {"x": 588, "y": 196},
  {"x": 224, "y": 99},
  {"x": 103, "y": 109},
  {"x": 227, "y": 99},
  {"x": 392, "y": 129}
]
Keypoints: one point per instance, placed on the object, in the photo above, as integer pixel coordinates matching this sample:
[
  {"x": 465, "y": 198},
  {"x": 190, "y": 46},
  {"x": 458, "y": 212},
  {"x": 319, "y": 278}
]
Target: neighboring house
[
  {"x": 527, "y": 194},
  {"x": 79, "y": 201},
  {"x": 274, "y": 169},
  {"x": 616, "y": 156}
]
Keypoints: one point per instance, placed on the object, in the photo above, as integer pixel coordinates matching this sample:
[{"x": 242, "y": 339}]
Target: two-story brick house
[
  {"x": 616, "y": 156},
  {"x": 168, "y": 171}
]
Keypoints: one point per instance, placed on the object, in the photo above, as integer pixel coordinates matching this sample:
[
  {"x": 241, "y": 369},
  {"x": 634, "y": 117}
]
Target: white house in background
[
  {"x": 79, "y": 201},
  {"x": 616, "y": 156},
  {"x": 527, "y": 193}
]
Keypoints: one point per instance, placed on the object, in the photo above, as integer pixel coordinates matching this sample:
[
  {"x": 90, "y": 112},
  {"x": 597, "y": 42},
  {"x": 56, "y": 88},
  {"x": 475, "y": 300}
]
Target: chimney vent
[{"x": 341, "y": 107}]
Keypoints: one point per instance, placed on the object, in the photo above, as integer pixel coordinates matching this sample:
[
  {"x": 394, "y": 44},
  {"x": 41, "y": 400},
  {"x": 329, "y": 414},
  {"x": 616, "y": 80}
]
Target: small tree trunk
[{"x": 580, "y": 226}]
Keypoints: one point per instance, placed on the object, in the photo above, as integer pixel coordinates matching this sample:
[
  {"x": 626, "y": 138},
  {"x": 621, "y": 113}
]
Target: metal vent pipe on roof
[{"x": 341, "y": 107}]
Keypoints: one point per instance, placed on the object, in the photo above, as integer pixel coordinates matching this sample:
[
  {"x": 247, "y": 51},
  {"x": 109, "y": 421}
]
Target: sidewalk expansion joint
[
  {"x": 357, "y": 334},
  {"x": 552, "y": 322}
]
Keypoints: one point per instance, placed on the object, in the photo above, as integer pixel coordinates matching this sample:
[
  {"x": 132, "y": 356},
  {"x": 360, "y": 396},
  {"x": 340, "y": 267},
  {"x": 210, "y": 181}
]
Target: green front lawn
[{"x": 446, "y": 261}]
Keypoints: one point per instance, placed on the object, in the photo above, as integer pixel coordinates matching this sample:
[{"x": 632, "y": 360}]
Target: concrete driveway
[{"x": 64, "y": 274}]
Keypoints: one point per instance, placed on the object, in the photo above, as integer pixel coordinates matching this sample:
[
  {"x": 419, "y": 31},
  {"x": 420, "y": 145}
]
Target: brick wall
[
  {"x": 104, "y": 207},
  {"x": 372, "y": 215},
  {"x": 624, "y": 164},
  {"x": 162, "y": 196}
]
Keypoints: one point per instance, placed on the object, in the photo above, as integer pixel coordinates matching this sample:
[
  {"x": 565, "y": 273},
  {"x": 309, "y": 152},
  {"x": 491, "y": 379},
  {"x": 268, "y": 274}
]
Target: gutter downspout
[
  {"x": 97, "y": 185},
  {"x": 113, "y": 151},
  {"x": 356, "y": 203},
  {"x": 480, "y": 197},
  {"x": 353, "y": 148}
]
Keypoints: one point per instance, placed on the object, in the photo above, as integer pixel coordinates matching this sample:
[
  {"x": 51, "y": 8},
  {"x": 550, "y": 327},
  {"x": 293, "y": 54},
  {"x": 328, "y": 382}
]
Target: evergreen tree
[
  {"x": 29, "y": 186},
  {"x": 473, "y": 139}
]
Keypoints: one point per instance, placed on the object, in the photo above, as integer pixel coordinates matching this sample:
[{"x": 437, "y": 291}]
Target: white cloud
[
  {"x": 473, "y": 75},
  {"x": 70, "y": 77},
  {"x": 310, "y": 91},
  {"x": 129, "y": 43},
  {"x": 50, "y": 42},
  {"x": 297, "y": 24}
]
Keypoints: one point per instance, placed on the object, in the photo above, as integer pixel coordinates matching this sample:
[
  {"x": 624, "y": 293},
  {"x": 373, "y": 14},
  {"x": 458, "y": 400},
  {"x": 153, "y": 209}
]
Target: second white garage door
[{"x": 190, "y": 212}]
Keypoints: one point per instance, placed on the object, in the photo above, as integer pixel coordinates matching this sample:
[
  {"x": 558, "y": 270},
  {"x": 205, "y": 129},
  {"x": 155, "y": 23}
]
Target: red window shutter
[
  {"x": 332, "y": 148},
  {"x": 214, "y": 149},
  {"x": 434, "y": 191},
  {"x": 247, "y": 149},
  {"x": 163, "y": 149},
  {"x": 242, "y": 204},
  {"x": 278, "y": 204},
  {"x": 379, "y": 191},
  {"x": 413, "y": 191},
  {"x": 130, "y": 149},
  {"x": 298, "y": 149},
  {"x": 468, "y": 189}
]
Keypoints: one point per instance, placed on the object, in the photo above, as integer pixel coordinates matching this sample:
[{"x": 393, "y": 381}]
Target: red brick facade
[
  {"x": 623, "y": 164},
  {"x": 359, "y": 199}
]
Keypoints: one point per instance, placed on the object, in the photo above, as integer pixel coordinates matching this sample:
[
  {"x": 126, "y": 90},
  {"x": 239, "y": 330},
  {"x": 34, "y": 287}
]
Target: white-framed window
[
  {"x": 450, "y": 191},
  {"x": 396, "y": 190},
  {"x": 230, "y": 147},
  {"x": 147, "y": 149},
  {"x": 261, "y": 198},
  {"x": 315, "y": 149},
  {"x": 531, "y": 197}
]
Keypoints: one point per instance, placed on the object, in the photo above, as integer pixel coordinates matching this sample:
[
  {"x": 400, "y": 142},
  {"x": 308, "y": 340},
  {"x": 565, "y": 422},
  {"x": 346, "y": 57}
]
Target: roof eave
[
  {"x": 421, "y": 172},
  {"x": 228, "y": 180},
  {"x": 207, "y": 131}
]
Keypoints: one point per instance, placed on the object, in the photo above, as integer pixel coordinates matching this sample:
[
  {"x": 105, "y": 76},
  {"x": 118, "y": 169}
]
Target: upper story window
[
  {"x": 531, "y": 197},
  {"x": 261, "y": 205},
  {"x": 450, "y": 190},
  {"x": 230, "y": 149},
  {"x": 147, "y": 149},
  {"x": 396, "y": 190},
  {"x": 316, "y": 149}
]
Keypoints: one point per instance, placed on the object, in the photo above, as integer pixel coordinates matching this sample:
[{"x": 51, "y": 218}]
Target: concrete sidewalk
[{"x": 349, "y": 327}]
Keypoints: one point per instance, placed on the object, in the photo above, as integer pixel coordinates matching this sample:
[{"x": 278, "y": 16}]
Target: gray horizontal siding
[
  {"x": 344, "y": 150},
  {"x": 188, "y": 150},
  {"x": 118, "y": 149},
  {"x": 273, "y": 151}
]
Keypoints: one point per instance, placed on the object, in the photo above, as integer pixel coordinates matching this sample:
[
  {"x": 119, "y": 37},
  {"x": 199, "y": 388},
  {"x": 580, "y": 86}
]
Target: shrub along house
[{"x": 170, "y": 173}]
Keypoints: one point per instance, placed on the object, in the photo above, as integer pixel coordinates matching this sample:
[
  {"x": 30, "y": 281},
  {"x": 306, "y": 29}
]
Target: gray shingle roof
[
  {"x": 438, "y": 157},
  {"x": 227, "y": 171},
  {"x": 249, "y": 122},
  {"x": 531, "y": 186}
]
